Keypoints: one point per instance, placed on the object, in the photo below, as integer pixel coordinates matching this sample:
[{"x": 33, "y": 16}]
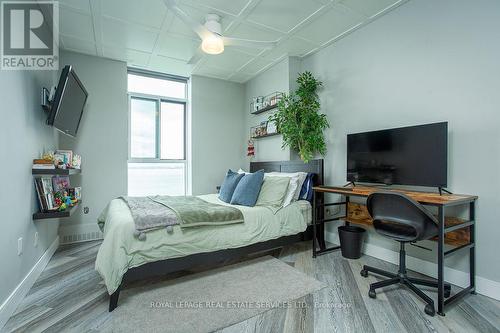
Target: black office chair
[{"x": 401, "y": 218}]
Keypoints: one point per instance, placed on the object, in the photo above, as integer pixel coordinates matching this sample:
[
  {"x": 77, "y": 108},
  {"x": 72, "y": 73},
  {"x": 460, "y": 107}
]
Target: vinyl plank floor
[{"x": 69, "y": 296}]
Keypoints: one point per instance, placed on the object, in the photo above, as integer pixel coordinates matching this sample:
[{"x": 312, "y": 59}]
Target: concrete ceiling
[{"x": 146, "y": 35}]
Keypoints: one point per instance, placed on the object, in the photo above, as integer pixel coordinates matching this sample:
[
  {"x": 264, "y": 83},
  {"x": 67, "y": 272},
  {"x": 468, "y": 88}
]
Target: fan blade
[
  {"x": 197, "y": 27},
  {"x": 229, "y": 41},
  {"x": 196, "y": 57}
]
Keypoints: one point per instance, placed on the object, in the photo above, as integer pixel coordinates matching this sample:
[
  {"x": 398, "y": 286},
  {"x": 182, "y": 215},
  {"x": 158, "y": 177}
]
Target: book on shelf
[
  {"x": 42, "y": 161},
  {"x": 42, "y": 205},
  {"x": 44, "y": 191},
  {"x": 44, "y": 166}
]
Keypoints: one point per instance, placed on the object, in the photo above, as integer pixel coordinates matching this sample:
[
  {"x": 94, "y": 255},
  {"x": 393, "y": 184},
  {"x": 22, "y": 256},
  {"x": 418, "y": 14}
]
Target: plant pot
[{"x": 351, "y": 240}]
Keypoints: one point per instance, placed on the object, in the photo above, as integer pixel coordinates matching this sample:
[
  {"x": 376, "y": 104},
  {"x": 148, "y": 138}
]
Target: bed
[{"x": 122, "y": 258}]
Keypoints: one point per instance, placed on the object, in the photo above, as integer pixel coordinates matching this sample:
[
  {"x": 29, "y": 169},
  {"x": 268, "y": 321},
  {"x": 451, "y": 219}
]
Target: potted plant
[{"x": 299, "y": 121}]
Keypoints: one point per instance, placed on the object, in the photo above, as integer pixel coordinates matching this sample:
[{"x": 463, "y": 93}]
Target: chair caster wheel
[
  {"x": 364, "y": 273},
  {"x": 429, "y": 309},
  {"x": 372, "y": 294}
]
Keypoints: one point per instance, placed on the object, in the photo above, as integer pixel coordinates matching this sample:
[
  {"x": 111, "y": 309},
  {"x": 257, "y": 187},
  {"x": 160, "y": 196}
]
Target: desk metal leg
[
  {"x": 441, "y": 261},
  {"x": 346, "y": 209},
  {"x": 472, "y": 253},
  {"x": 320, "y": 228},
  {"x": 314, "y": 223}
]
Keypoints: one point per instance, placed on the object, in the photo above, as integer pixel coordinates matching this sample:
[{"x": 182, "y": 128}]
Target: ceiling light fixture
[
  {"x": 210, "y": 33},
  {"x": 212, "y": 44}
]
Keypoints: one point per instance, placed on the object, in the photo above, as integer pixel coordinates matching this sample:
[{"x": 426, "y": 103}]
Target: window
[{"x": 157, "y": 137}]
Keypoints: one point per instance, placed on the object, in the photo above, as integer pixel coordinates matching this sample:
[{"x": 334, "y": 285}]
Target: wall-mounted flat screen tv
[
  {"x": 68, "y": 103},
  {"x": 415, "y": 155}
]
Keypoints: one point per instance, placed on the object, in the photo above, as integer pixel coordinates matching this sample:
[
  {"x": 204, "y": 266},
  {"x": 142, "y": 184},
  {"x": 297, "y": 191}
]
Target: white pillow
[
  {"x": 297, "y": 179},
  {"x": 301, "y": 179}
]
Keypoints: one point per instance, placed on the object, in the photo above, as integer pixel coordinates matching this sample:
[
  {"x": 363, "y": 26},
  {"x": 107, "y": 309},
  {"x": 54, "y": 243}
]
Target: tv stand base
[{"x": 442, "y": 189}]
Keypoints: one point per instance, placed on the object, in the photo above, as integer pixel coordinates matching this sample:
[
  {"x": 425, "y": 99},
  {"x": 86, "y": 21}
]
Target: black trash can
[{"x": 351, "y": 239}]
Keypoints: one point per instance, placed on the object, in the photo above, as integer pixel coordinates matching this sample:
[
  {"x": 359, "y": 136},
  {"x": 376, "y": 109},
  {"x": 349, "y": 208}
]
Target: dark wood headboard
[{"x": 314, "y": 166}]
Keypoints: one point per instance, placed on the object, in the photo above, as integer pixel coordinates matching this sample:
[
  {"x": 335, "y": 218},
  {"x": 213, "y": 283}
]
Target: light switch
[{"x": 20, "y": 246}]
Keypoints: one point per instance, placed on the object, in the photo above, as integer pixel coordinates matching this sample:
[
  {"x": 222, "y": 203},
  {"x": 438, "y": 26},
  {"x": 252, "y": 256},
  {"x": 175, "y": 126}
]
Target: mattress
[{"x": 120, "y": 250}]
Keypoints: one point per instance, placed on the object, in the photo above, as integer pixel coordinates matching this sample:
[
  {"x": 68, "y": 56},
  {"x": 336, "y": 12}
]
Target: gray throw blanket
[
  {"x": 149, "y": 215},
  {"x": 152, "y": 213}
]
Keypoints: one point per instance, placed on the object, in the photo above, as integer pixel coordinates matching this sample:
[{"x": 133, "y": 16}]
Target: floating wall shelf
[
  {"x": 265, "y": 109},
  {"x": 55, "y": 215},
  {"x": 265, "y": 136},
  {"x": 55, "y": 172}
]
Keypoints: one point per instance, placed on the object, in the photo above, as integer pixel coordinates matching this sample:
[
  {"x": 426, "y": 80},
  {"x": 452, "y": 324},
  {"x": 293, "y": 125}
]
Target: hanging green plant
[{"x": 299, "y": 121}]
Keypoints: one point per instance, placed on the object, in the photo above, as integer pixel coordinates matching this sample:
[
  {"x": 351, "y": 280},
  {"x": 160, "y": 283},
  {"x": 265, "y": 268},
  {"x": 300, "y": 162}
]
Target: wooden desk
[
  {"x": 426, "y": 198},
  {"x": 453, "y": 231}
]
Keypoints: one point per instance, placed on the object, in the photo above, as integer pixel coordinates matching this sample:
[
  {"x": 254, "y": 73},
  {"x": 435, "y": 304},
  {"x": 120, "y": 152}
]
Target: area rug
[{"x": 211, "y": 300}]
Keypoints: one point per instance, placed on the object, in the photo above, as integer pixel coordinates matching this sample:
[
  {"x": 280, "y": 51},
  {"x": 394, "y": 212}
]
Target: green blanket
[{"x": 193, "y": 211}]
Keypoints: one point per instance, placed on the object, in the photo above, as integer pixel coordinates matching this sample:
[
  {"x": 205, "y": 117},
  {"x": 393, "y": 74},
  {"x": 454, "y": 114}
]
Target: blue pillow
[
  {"x": 227, "y": 188},
  {"x": 306, "y": 192},
  {"x": 247, "y": 190}
]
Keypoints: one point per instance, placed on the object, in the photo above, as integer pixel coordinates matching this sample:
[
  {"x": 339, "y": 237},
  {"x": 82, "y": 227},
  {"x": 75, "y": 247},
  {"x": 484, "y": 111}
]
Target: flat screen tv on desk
[{"x": 415, "y": 155}]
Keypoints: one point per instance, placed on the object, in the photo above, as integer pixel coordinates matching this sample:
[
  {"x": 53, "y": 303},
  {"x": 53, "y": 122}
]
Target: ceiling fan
[{"x": 210, "y": 33}]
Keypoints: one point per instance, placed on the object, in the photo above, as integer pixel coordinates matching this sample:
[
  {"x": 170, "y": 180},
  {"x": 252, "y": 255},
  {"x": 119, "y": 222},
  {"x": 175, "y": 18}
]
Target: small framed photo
[
  {"x": 59, "y": 159},
  {"x": 78, "y": 193},
  {"x": 60, "y": 183},
  {"x": 67, "y": 156},
  {"x": 271, "y": 127}
]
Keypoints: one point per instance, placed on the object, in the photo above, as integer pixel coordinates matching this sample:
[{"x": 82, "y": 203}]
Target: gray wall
[
  {"x": 217, "y": 123},
  {"x": 23, "y": 136},
  {"x": 276, "y": 78},
  {"x": 426, "y": 61},
  {"x": 102, "y": 138}
]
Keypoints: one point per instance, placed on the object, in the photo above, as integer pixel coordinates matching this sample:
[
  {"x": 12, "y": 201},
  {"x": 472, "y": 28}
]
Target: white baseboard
[
  {"x": 9, "y": 306},
  {"x": 484, "y": 286}
]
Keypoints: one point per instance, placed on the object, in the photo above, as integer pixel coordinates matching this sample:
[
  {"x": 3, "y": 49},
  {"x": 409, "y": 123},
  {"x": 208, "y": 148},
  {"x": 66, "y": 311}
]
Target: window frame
[{"x": 158, "y": 100}]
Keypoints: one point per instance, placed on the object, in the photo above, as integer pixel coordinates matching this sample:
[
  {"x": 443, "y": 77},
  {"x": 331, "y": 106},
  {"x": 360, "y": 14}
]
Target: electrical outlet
[
  {"x": 35, "y": 242},
  {"x": 20, "y": 246}
]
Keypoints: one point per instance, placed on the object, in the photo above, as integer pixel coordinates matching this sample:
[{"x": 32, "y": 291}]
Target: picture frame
[
  {"x": 60, "y": 183},
  {"x": 47, "y": 192},
  {"x": 78, "y": 193},
  {"x": 271, "y": 128},
  {"x": 59, "y": 158},
  {"x": 68, "y": 156}
]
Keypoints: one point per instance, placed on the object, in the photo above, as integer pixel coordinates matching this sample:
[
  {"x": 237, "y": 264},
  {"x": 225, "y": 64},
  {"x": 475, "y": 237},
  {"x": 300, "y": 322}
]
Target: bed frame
[{"x": 163, "y": 267}]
